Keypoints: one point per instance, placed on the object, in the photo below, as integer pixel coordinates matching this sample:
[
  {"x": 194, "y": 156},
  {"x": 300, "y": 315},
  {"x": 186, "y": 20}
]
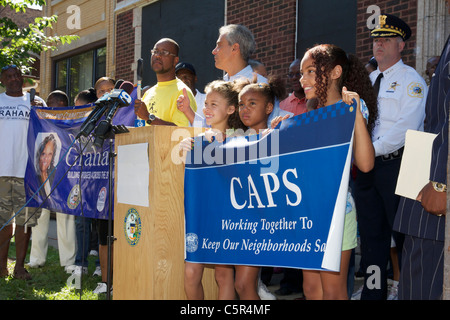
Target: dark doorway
[
  {"x": 193, "y": 24},
  {"x": 326, "y": 21}
]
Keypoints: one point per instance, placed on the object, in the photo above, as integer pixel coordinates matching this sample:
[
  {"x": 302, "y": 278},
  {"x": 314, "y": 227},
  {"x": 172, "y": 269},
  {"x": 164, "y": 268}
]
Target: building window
[{"x": 79, "y": 72}]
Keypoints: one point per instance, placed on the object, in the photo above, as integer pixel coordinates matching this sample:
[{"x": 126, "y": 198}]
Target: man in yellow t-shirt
[{"x": 159, "y": 104}]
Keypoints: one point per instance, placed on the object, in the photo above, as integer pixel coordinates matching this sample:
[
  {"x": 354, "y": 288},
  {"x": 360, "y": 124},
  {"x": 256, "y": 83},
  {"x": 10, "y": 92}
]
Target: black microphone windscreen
[
  {"x": 127, "y": 86},
  {"x": 118, "y": 84},
  {"x": 140, "y": 68},
  {"x": 32, "y": 94}
]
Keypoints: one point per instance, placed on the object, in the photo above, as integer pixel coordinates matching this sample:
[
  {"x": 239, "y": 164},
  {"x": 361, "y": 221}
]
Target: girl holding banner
[
  {"x": 326, "y": 74},
  {"x": 259, "y": 102},
  {"x": 222, "y": 114},
  {"x": 256, "y": 103}
]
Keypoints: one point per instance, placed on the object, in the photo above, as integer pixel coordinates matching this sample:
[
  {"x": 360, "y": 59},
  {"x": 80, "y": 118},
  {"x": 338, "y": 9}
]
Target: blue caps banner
[
  {"x": 65, "y": 174},
  {"x": 276, "y": 199}
]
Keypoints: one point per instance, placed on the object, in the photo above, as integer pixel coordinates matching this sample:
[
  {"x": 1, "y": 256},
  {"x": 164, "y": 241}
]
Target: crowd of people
[{"x": 391, "y": 98}]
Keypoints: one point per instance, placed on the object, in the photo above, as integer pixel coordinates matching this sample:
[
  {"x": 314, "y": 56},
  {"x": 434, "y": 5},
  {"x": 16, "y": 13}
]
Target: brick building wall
[
  {"x": 406, "y": 10},
  {"x": 273, "y": 24},
  {"x": 97, "y": 21},
  {"x": 125, "y": 46}
]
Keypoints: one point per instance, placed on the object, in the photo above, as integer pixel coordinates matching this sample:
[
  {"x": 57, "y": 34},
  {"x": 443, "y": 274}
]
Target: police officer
[{"x": 401, "y": 106}]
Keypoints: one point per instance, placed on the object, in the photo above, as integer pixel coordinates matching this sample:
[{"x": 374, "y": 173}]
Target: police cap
[{"x": 391, "y": 26}]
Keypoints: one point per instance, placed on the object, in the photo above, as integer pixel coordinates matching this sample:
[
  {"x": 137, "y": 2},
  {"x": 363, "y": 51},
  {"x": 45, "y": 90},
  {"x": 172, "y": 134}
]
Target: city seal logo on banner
[
  {"x": 73, "y": 200},
  {"x": 191, "y": 242},
  {"x": 132, "y": 227}
]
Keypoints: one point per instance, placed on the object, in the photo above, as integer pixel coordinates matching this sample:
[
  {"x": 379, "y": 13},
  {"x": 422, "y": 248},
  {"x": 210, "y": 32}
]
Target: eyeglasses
[
  {"x": 162, "y": 53},
  {"x": 9, "y": 66}
]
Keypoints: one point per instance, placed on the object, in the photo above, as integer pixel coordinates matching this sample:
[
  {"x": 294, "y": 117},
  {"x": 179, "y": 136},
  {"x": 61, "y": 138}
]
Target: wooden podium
[{"x": 153, "y": 268}]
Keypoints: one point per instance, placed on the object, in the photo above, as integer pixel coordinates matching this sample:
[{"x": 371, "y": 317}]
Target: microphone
[
  {"x": 32, "y": 94},
  {"x": 139, "y": 72},
  {"x": 128, "y": 87},
  {"x": 118, "y": 83},
  {"x": 101, "y": 105},
  {"x": 138, "y": 122},
  {"x": 120, "y": 98}
]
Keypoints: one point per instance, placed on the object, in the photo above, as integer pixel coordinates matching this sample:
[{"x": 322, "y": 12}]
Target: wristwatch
[
  {"x": 151, "y": 117},
  {"x": 439, "y": 187}
]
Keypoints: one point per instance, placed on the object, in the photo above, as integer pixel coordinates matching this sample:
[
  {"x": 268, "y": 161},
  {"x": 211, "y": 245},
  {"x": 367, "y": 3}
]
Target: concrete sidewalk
[{"x": 52, "y": 236}]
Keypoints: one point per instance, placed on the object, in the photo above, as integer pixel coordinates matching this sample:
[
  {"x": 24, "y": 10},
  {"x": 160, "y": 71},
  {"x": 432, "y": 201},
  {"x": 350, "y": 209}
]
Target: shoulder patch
[{"x": 415, "y": 90}]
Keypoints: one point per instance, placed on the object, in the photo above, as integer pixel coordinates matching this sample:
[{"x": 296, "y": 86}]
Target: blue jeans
[{"x": 83, "y": 232}]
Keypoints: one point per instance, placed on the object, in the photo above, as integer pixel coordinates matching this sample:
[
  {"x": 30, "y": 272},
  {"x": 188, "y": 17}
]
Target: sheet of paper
[
  {"x": 415, "y": 167},
  {"x": 132, "y": 174}
]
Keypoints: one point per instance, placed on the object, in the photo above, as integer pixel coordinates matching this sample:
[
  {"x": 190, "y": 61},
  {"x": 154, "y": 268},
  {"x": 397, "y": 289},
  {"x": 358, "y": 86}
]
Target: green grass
[{"x": 48, "y": 282}]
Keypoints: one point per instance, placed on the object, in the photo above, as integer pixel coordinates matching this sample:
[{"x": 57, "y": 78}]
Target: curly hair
[
  {"x": 228, "y": 91},
  {"x": 274, "y": 89},
  {"x": 354, "y": 76}
]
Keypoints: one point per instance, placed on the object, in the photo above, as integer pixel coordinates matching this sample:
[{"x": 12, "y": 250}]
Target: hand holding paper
[
  {"x": 432, "y": 201},
  {"x": 415, "y": 168}
]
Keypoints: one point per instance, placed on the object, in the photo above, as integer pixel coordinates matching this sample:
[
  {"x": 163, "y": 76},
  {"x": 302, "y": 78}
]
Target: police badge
[{"x": 415, "y": 90}]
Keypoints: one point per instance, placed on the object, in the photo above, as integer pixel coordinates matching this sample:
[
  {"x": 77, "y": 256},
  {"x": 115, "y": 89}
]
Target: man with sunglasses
[
  {"x": 159, "y": 104},
  {"x": 14, "y": 118}
]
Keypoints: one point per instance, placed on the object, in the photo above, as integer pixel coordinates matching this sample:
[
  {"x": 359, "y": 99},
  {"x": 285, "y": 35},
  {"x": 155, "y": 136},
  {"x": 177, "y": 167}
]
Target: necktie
[{"x": 376, "y": 85}]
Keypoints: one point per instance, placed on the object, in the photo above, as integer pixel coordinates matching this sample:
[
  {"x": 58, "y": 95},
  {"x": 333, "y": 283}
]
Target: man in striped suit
[{"x": 423, "y": 221}]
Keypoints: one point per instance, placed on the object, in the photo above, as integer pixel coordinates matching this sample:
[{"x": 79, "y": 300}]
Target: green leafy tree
[{"x": 17, "y": 43}]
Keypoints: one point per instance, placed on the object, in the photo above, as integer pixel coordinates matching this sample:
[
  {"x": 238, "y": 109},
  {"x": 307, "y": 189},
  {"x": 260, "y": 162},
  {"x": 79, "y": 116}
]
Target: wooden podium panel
[{"x": 154, "y": 267}]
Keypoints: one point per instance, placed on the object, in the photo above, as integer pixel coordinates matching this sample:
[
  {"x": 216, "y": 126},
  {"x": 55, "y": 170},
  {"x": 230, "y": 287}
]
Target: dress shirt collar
[
  {"x": 247, "y": 73},
  {"x": 292, "y": 97},
  {"x": 391, "y": 70}
]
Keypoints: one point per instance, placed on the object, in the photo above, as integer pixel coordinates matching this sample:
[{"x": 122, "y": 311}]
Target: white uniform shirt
[
  {"x": 14, "y": 120},
  {"x": 401, "y": 106}
]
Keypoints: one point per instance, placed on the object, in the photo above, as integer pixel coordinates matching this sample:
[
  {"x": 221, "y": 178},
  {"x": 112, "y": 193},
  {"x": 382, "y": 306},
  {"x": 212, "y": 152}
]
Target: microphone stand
[
  {"x": 105, "y": 130},
  {"x": 111, "y": 237},
  {"x": 115, "y": 129}
]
